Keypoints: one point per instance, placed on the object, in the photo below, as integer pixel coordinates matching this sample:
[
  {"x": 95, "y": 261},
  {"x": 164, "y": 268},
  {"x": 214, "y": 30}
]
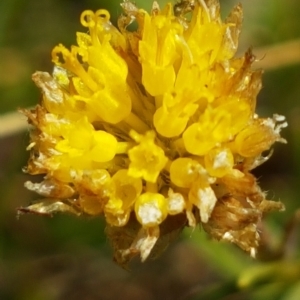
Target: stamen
[{"x": 136, "y": 123}]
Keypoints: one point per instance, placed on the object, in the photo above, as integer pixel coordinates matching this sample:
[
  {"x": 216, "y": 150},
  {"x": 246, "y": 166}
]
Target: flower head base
[{"x": 154, "y": 129}]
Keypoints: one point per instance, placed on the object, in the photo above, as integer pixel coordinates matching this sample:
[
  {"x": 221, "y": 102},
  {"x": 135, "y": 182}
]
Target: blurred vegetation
[{"x": 68, "y": 258}]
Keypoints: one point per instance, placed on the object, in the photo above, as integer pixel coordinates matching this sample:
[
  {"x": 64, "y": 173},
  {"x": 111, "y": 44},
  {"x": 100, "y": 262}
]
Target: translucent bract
[{"x": 155, "y": 129}]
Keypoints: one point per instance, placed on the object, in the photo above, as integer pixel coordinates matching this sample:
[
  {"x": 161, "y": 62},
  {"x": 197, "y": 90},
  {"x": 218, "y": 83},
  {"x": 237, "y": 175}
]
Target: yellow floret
[
  {"x": 219, "y": 162},
  {"x": 185, "y": 171},
  {"x": 255, "y": 138},
  {"x": 151, "y": 209},
  {"x": 123, "y": 192},
  {"x": 158, "y": 51},
  {"x": 216, "y": 125},
  {"x": 82, "y": 139},
  {"x": 146, "y": 159}
]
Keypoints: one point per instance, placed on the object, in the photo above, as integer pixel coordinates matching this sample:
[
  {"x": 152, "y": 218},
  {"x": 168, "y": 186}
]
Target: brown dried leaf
[
  {"x": 51, "y": 188},
  {"x": 48, "y": 207}
]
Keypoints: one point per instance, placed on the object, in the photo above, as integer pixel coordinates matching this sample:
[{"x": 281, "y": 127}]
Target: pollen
[{"x": 154, "y": 129}]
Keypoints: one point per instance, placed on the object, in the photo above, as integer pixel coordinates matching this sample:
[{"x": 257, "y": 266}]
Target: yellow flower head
[{"x": 155, "y": 128}]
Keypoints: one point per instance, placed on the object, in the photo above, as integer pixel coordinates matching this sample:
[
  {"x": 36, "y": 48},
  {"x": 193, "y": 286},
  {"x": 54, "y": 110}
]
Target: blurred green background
[{"x": 65, "y": 257}]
